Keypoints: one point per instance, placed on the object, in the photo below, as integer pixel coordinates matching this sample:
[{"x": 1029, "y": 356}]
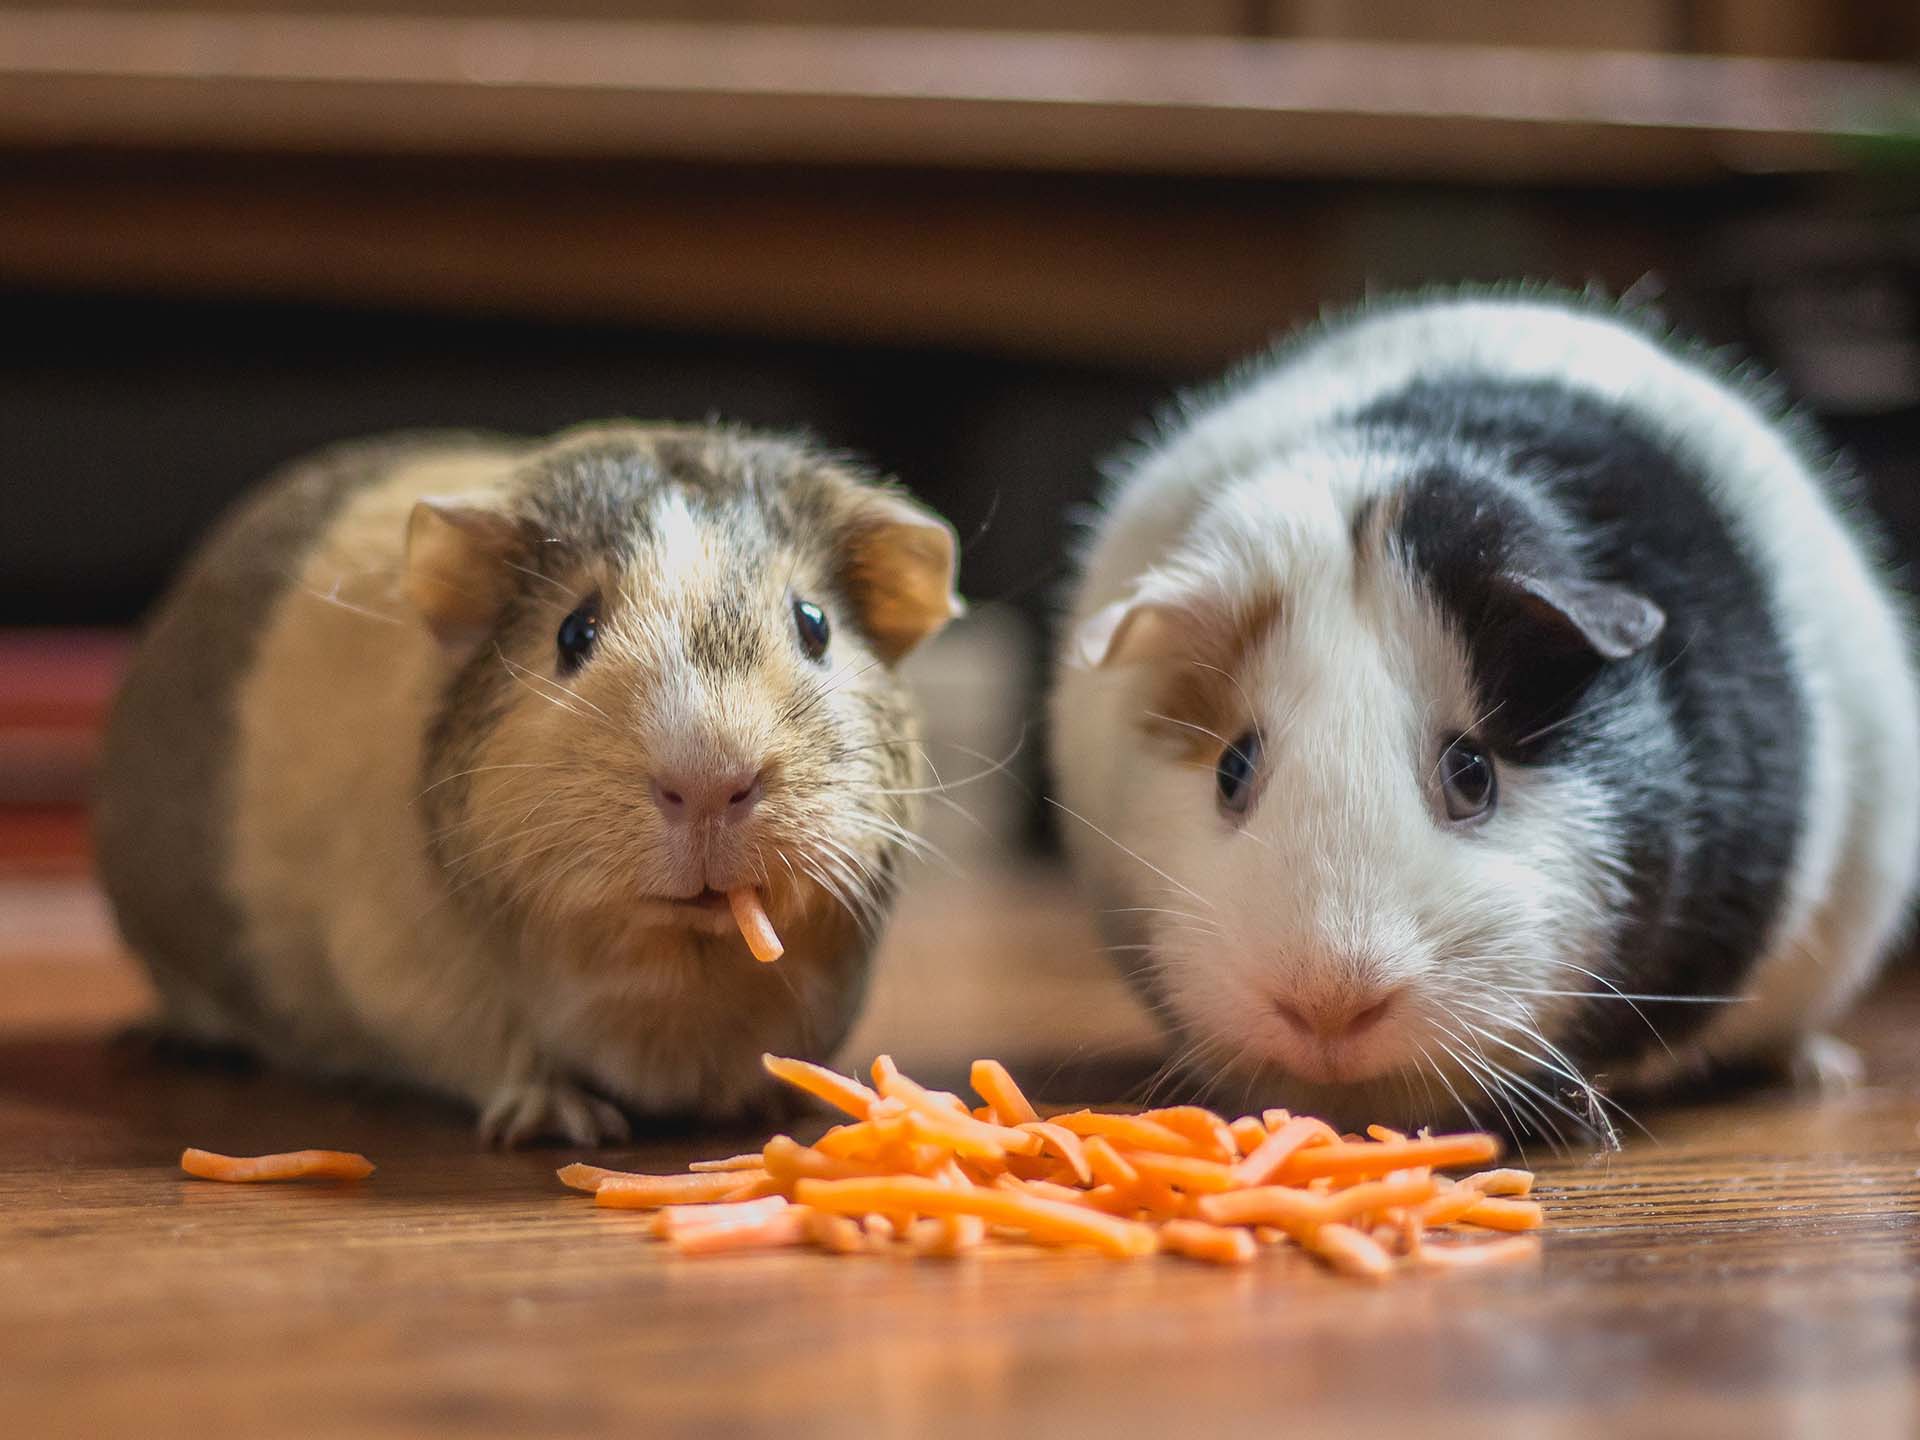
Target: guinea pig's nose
[
  {"x": 1341, "y": 1015},
  {"x": 729, "y": 796}
]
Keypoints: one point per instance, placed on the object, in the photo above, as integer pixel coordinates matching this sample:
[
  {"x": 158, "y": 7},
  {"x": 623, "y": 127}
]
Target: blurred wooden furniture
[{"x": 800, "y": 167}]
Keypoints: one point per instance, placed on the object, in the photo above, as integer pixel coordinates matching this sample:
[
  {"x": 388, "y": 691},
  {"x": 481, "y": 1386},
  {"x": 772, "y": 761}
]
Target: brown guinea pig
[{"x": 440, "y": 761}]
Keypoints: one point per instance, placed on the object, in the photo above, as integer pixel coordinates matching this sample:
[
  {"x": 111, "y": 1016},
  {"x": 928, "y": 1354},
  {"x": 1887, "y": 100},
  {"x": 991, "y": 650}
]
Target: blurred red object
[{"x": 55, "y": 687}]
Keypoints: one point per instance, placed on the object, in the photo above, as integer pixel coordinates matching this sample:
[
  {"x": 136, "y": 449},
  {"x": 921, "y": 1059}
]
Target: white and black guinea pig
[
  {"x": 439, "y": 761},
  {"x": 1488, "y": 704}
]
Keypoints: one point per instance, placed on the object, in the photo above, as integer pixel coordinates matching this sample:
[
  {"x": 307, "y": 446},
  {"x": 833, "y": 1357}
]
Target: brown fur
[
  {"x": 438, "y": 858},
  {"x": 1200, "y": 705}
]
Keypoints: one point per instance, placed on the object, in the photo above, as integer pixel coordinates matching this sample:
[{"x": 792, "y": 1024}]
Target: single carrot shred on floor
[
  {"x": 285, "y": 1165},
  {"x": 755, "y": 928},
  {"x": 920, "y": 1172}
]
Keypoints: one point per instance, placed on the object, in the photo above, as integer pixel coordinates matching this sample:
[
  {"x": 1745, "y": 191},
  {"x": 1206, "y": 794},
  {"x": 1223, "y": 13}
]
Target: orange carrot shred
[
  {"x": 650, "y": 1192},
  {"x": 1204, "y": 1128},
  {"x": 672, "y": 1219},
  {"x": 1109, "y": 1166},
  {"x": 1247, "y": 1132},
  {"x": 1274, "y": 1151},
  {"x": 786, "y": 1226},
  {"x": 1505, "y": 1215},
  {"x": 840, "y": 1234},
  {"x": 588, "y": 1177},
  {"x": 841, "y": 1091},
  {"x": 993, "y": 1084},
  {"x": 1346, "y": 1158},
  {"x": 1197, "y": 1240},
  {"x": 755, "y": 1185},
  {"x": 1202, "y": 1177},
  {"x": 1351, "y": 1252},
  {"x": 283, "y": 1165},
  {"x": 1131, "y": 1130},
  {"x": 1501, "y": 1182},
  {"x": 948, "y": 1115},
  {"x": 1067, "y": 1145}
]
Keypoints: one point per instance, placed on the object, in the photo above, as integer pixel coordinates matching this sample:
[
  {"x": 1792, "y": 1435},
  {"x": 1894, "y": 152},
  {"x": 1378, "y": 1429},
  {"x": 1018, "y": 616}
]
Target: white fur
[{"x": 1340, "y": 869}]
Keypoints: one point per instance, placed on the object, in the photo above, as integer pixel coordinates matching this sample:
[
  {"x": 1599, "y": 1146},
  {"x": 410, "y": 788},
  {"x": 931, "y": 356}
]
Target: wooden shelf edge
[{"x": 1177, "y": 104}]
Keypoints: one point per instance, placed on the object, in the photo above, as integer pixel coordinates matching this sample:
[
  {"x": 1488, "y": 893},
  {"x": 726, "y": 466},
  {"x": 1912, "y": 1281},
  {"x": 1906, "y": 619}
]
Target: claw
[
  {"x": 1827, "y": 1066},
  {"x": 522, "y": 1111}
]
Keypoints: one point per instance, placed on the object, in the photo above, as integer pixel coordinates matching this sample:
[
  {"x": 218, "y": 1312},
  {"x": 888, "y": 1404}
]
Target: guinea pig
[
  {"x": 1488, "y": 704},
  {"x": 440, "y": 763}
]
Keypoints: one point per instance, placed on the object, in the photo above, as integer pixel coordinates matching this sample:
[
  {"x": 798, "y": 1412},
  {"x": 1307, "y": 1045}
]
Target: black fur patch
[{"x": 1700, "y": 739}]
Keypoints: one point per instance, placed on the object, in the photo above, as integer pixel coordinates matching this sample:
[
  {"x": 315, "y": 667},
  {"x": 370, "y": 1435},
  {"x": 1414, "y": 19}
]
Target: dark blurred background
[{"x": 980, "y": 243}]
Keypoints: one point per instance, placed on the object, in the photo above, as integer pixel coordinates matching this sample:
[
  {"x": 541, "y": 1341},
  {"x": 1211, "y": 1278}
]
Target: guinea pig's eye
[
  {"x": 577, "y": 634},
  {"x": 811, "y": 621},
  {"x": 1234, "y": 773},
  {"x": 1468, "y": 785}
]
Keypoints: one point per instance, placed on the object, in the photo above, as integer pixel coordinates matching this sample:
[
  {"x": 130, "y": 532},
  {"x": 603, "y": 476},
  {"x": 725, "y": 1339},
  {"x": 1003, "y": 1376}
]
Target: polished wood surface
[
  {"x": 1178, "y": 103},
  {"x": 1752, "y": 1272}
]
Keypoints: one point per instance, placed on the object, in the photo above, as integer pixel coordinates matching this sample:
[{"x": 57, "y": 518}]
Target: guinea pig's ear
[
  {"x": 1606, "y": 620},
  {"x": 457, "y": 572},
  {"x": 1127, "y": 632},
  {"x": 897, "y": 563}
]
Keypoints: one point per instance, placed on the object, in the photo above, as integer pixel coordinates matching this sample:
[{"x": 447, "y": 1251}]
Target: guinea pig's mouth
[{"x": 741, "y": 913}]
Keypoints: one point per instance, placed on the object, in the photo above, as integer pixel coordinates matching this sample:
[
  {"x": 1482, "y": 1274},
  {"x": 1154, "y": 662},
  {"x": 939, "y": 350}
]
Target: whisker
[
  {"x": 1624, "y": 995},
  {"x": 1132, "y": 854}
]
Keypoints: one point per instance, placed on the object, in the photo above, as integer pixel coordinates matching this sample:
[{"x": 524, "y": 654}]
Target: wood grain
[
  {"x": 1187, "y": 103},
  {"x": 1133, "y": 273},
  {"x": 1753, "y": 1272}
]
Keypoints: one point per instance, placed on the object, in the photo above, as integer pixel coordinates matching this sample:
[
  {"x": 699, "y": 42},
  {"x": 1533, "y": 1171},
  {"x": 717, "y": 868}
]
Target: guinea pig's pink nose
[
  {"x": 729, "y": 796},
  {"x": 1340, "y": 1015}
]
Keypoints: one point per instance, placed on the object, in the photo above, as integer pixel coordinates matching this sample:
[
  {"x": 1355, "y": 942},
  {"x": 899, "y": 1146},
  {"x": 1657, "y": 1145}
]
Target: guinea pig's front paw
[
  {"x": 1826, "y": 1066},
  {"x": 541, "y": 1107}
]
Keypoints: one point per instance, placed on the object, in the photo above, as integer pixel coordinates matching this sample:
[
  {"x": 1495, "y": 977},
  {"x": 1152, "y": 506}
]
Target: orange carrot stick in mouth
[{"x": 755, "y": 928}]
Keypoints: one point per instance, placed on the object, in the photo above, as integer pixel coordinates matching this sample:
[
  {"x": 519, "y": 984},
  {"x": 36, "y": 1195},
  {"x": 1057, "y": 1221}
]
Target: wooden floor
[{"x": 1756, "y": 1272}]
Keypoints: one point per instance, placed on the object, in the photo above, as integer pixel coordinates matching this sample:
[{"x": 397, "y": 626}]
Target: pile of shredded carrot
[{"x": 919, "y": 1171}]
